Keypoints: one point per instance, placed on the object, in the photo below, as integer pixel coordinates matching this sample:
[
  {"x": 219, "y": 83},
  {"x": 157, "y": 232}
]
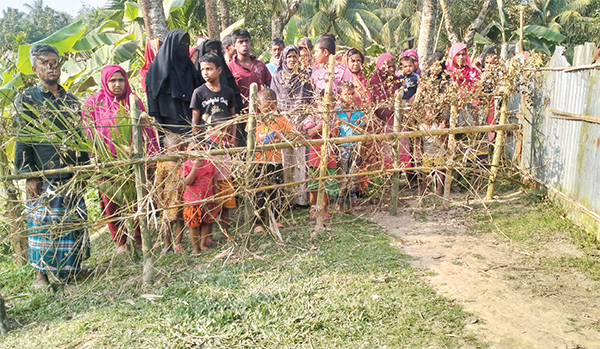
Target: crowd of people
[{"x": 194, "y": 97}]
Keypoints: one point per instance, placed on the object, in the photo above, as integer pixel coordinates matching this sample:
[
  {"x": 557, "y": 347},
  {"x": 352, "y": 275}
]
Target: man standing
[
  {"x": 56, "y": 211},
  {"x": 276, "y": 50},
  {"x": 246, "y": 70}
]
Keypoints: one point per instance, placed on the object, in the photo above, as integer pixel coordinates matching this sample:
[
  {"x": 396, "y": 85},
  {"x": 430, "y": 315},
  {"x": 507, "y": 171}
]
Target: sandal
[
  {"x": 177, "y": 249},
  {"x": 259, "y": 229},
  {"x": 165, "y": 251}
]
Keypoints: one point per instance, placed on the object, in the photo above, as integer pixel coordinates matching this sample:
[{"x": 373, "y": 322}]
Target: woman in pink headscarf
[
  {"x": 384, "y": 84},
  {"x": 460, "y": 68},
  {"x": 101, "y": 111}
]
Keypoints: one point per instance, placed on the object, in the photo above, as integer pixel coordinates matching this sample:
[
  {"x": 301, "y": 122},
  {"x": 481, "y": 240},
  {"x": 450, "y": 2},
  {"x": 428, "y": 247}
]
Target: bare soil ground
[{"x": 516, "y": 300}]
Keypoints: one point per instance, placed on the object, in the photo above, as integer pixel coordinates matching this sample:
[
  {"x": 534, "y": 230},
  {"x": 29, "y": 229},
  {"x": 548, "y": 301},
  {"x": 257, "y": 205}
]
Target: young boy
[
  {"x": 409, "y": 79},
  {"x": 200, "y": 184},
  {"x": 350, "y": 119},
  {"x": 269, "y": 129},
  {"x": 324, "y": 48},
  {"x": 169, "y": 195},
  {"x": 211, "y": 97}
]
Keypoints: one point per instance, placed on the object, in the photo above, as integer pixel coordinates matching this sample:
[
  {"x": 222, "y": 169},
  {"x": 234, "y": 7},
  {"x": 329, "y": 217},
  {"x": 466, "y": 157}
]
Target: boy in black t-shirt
[{"x": 211, "y": 97}]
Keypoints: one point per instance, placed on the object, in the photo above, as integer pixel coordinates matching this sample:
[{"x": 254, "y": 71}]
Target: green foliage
[{"x": 347, "y": 288}]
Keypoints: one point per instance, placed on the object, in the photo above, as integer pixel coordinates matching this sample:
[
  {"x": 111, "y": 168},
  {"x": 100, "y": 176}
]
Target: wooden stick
[
  {"x": 250, "y": 154},
  {"x": 276, "y": 146},
  {"x": 140, "y": 186},
  {"x": 396, "y": 153},
  {"x": 320, "y": 206},
  {"x": 450, "y": 157},
  {"x": 3, "y": 325},
  {"x": 15, "y": 214},
  {"x": 498, "y": 150},
  {"x": 565, "y": 69},
  {"x": 573, "y": 117}
]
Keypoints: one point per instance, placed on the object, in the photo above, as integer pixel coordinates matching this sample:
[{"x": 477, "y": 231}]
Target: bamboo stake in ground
[
  {"x": 450, "y": 157},
  {"x": 328, "y": 101},
  {"x": 140, "y": 186},
  {"x": 498, "y": 150},
  {"x": 3, "y": 325},
  {"x": 396, "y": 153},
  {"x": 15, "y": 210},
  {"x": 250, "y": 151}
]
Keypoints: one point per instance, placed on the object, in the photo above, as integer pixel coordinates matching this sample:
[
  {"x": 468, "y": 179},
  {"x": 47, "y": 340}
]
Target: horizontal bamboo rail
[
  {"x": 275, "y": 146},
  {"x": 565, "y": 69},
  {"x": 573, "y": 117}
]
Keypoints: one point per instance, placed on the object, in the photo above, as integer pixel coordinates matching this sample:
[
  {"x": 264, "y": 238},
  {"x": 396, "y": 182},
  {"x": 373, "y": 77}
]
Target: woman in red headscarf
[
  {"x": 355, "y": 60},
  {"x": 101, "y": 111}
]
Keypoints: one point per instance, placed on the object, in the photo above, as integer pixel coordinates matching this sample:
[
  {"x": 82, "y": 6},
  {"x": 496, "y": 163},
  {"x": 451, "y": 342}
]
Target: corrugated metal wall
[{"x": 563, "y": 153}]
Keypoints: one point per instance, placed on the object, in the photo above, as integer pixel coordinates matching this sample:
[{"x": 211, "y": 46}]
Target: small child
[
  {"x": 269, "y": 129},
  {"x": 169, "y": 189},
  {"x": 313, "y": 125},
  {"x": 432, "y": 151},
  {"x": 349, "y": 122},
  {"x": 409, "y": 79},
  {"x": 200, "y": 181},
  {"x": 222, "y": 135}
]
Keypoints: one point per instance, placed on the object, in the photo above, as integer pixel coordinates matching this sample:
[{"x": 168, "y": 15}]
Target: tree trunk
[
  {"x": 154, "y": 19},
  {"x": 282, "y": 14},
  {"x": 212, "y": 20},
  {"x": 224, "y": 10},
  {"x": 427, "y": 29},
  {"x": 474, "y": 27},
  {"x": 449, "y": 27}
]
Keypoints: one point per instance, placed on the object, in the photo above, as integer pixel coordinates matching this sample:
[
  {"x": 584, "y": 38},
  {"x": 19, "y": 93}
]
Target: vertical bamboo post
[
  {"x": 140, "y": 186},
  {"x": 498, "y": 149},
  {"x": 328, "y": 100},
  {"x": 3, "y": 325},
  {"x": 14, "y": 212},
  {"x": 521, "y": 29},
  {"x": 450, "y": 159},
  {"x": 396, "y": 153},
  {"x": 250, "y": 145}
]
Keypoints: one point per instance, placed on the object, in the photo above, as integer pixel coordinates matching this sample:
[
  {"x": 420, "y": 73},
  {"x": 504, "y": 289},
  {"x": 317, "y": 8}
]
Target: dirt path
[{"x": 514, "y": 304}]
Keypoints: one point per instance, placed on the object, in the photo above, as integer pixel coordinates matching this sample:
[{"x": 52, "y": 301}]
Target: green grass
[
  {"x": 534, "y": 220},
  {"x": 321, "y": 293}
]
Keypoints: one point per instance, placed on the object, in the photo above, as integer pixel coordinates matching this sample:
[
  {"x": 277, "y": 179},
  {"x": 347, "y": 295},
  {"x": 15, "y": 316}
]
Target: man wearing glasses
[{"x": 55, "y": 208}]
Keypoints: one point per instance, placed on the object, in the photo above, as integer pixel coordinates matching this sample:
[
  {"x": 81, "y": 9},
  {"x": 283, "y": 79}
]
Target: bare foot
[
  {"x": 121, "y": 249},
  {"x": 195, "y": 252},
  {"x": 41, "y": 280},
  {"x": 205, "y": 248}
]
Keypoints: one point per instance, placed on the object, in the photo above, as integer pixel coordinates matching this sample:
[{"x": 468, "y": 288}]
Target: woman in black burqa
[{"x": 170, "y": 82}]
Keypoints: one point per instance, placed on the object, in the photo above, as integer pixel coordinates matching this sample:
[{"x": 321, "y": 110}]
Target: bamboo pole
[
  {"x": 520, "y": 29},
  {"x": 396, "y": 153},
  {"x": 3, "y": 325},
  {"x": 250, "y": 154},
  {"x": 140, "y": 186},
  {"x": 15, "y": 214},
  {"x": 328, "y": 100},
  {"x": 275, "y": 146},
  {"x": 450, "y": 157},
  {"x": 498, "y": 150}
]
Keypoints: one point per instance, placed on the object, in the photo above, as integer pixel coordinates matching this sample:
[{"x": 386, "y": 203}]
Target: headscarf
[
  {"x": 362, "y": 94},
  {"x": 101, "y": 108},
  {"x": 415, "y": 55},
  {"x": 384, "y": 87},
  {"x": 292, "y": 87},
  {"x": 152, "y": 47},
  {"x": 226, "y": 78},
  {"x": 465, "y": 76},
  {"x": 172, "y": 63}
]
